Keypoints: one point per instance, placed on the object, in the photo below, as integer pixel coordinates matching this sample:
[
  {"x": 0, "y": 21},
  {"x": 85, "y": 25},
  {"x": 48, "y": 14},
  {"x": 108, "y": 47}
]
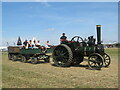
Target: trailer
[{"x": 32, "y": 54}]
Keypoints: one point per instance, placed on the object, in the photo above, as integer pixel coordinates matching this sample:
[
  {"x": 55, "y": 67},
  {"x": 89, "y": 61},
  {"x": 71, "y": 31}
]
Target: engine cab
[{"x": 91, "y": 41}]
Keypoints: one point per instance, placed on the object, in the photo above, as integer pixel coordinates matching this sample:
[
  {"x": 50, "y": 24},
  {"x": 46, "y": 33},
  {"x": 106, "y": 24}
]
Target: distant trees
[
  {"x": 112, "y": 45},
  {"x": 117, "y": 45}
]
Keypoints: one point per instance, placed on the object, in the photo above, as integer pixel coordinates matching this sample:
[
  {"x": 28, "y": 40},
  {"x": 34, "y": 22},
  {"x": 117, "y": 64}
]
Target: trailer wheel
[
  {"x": 107, "y": 60},
  {"x": 62, "y": 56},
  {"x": 95, "y": 61},
  {"x": 9, "y": 56},
  {"x": 34, "y": 60},
  {"x": 47, "y": 60},
  {"x": 14, "y": 58},
  {"x": 23, "y": 59}
]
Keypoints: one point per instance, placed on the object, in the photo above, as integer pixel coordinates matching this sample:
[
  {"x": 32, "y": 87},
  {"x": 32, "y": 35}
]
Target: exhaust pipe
[{"x": 98, "y": 27}]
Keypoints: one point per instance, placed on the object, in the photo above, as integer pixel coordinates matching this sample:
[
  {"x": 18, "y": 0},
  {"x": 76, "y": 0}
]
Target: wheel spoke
[
  {"x": 92, "y": 61},
  {"x": 64, "y": 53},
  {"x": 57, "y": 58},
  {"x": 106, "y": 62},
  {"x": 106, "y": 56},
  {"x": 92, "y": 64},
  {"x": 56, "y": 52},
  {"x": 107, "y": 59},
  {"x": 65, "y": 57}
]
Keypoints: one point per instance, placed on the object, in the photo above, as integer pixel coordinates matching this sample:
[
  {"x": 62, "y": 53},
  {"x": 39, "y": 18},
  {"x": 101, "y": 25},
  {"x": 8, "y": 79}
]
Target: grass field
[{"x": 45, "y": 75}]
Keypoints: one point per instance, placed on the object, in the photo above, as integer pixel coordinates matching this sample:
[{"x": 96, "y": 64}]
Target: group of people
[{"x": 36, "y": 44}]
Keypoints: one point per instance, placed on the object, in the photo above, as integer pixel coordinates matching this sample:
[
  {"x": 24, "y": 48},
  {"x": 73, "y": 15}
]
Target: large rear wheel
[
  {"x": 62, "y": 56},
  {"x": 95, "y": 61}
]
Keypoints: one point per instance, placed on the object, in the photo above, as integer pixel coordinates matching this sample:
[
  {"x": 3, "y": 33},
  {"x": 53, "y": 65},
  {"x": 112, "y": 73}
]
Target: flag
[
  {"x": 19, "y": 41},
  {"x": 34, "y": 39}
]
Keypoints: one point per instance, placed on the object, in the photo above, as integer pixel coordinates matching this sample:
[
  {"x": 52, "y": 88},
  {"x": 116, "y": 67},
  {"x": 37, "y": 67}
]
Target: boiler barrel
[{"x": 86, "y": 51}]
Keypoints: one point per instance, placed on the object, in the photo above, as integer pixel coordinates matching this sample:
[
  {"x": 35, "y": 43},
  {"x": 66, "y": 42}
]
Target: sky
[{"x": 48, "y": 20}]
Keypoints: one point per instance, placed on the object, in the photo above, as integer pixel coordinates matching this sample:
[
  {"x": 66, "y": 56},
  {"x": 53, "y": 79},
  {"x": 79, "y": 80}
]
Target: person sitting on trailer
[
  {"x": 30, "y": 45},
  {"x": 48, "y": 44},
  {"x": 25, "y": 44},
  {"x": 63, "y": 38},
  {"x": 38, "y": 44},
  {"x": 43, "y": 49},
  {"x": 34, "y": 44}
]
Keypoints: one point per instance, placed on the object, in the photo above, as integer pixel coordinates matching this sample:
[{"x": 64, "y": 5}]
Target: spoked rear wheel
[
  {"x": 95, "y": 61},
  {"x": 62, "y": 55},
  {"x": 107, "y": 60}
]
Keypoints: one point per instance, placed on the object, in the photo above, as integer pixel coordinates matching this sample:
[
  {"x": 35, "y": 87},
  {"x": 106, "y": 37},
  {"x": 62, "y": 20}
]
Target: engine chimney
[{"x": 98, "y": 27}]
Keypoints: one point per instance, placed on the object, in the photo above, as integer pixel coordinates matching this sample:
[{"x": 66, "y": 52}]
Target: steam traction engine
[{"x": 73, "y": 52}]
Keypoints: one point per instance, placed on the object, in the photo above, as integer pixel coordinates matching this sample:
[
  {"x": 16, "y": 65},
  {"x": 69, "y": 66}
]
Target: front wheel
[{"x": 95, "y": 61}]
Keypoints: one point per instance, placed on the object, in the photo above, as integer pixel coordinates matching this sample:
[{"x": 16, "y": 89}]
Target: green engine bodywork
[
  {"x": 30, "y": 51},
  {"x": 84, "y": 50}
]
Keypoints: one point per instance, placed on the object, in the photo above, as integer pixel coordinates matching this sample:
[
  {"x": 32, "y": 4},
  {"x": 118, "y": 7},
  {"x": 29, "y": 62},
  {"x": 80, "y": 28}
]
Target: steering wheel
[{"x": 77, "y": 39}]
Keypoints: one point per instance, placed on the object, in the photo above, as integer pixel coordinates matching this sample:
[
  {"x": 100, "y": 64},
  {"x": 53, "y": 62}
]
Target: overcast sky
[{"x": 48, "y": 20}]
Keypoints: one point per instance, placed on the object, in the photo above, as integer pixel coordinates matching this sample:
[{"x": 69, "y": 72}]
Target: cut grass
[
  {"x": 18, "y": 78},
  {"x": 43, "y": 75}
]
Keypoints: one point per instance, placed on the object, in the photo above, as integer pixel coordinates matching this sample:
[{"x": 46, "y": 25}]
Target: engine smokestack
[{"x": 98, "y": 27}]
